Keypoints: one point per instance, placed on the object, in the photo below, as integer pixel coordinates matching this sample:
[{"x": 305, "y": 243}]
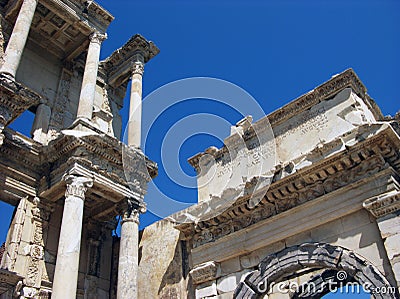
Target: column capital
[
  {"x": 131, "y": 210},
  {"x": 97, "y": 37},
  {"x": 138, "y": 68},
  {"x": 77, "y": 185}
]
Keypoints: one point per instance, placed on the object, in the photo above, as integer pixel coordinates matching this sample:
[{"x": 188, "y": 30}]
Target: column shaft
[
  {"x": 88, "y": 89},
  {"x": 18, "y": 38},
  {"x": 67, "y": 264},
  {"x": 135, "y": 106},
  {"x": 41, "y": 123},
  {"x": 128, "y": 257}
]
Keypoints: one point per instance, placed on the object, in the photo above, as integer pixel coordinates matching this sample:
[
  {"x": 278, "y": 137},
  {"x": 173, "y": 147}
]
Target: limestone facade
[
  {"x": 318, "y": 204},
  {"x": 67, "y": 182}
]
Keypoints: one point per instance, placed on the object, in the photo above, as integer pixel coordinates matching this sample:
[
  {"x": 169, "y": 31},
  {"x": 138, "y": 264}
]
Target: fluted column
[
  {"x": 67, "y": 264},
  {"x": 88, "y": 89},
  {"x": 135, "y": 105},
  {"x": 128, "y": 255},
  {"x": 19, "y": 35}
]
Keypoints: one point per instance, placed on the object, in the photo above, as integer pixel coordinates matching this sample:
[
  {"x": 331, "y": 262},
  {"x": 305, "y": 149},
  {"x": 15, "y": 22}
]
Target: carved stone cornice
[
  {"x": 205, "y": 272},
  {"x": 118, "y": 66},
  {"x": 77, "y": 186},
  {"x": 341, "y": 169},
  {"x": 383, "y": 205},
  {"x": 327, "y": 90},
  {"x": 104, "y": 154},
  {"x": 15, "y": 98},
  {"x": 88, "y": 14}
]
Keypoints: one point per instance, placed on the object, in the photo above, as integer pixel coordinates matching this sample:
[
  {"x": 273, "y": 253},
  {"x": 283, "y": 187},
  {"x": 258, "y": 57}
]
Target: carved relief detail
[
  {"x": 287, "y": 194},
  {"x": 60, "y": 104},
  {"x": 138, "y": 68},
  {"x": 205, "y": 272},
  {"x": 97, "y": 37},
  {"x": 383, "y": 205},
  {"x": 77, "y": 186}
]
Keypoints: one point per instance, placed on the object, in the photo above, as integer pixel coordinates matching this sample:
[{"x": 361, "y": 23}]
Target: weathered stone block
[
  {"x": 230, "y": 266},
  {"x": 227, "y": 283},
  {"x": 392, "y": 245},
  {"x": 206, "y": 289}
]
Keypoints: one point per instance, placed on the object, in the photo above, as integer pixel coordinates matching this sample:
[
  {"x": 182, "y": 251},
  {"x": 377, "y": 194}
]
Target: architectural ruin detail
[{"x": 18, "y": 38}]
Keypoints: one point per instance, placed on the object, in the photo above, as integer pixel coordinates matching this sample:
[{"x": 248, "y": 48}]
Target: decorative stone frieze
[
  {"x": 205, "y": 272},
  {"x": 384, "y": 204},
  {"x": 341, "y": 169}
]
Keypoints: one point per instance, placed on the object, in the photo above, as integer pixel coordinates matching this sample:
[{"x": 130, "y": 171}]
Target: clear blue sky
[{"x": 275, "y": 50}]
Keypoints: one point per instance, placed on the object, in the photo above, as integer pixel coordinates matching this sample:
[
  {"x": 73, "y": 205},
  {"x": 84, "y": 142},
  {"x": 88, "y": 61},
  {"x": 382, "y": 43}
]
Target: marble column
[
  {"x": 88, "y": 89},
  {"x": 128, "y": 255},
  {"x": 69, "y": 244},
  {"x": 18, "y": 38},
  {"x": 41, "y": 123},
  {"x": 135, "y": 105}
]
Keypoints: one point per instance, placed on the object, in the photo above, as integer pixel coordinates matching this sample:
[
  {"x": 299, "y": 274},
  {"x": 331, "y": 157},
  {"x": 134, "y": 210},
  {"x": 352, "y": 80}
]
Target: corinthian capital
[
  {"x": 97, "y": 37},
  {"x": 131, "y": 209},
  {"x": 138, "y": 68},
  {"x": 77, "y": 185}
]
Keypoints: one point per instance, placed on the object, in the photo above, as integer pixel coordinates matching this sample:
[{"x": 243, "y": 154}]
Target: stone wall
[{"x": 163, "y": 263}]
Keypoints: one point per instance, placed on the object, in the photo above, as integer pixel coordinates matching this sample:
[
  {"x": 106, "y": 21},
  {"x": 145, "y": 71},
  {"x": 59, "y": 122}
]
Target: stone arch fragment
[{"x": 275, "y": 267}]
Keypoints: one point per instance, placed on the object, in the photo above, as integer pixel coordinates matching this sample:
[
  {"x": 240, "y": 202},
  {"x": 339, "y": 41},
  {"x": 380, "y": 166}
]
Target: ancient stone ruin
[{"x": 318, "y": 203}]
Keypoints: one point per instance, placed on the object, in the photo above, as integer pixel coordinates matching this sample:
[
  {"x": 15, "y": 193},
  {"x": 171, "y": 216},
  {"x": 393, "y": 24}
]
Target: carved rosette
[
  {"x": 77, "y": 186},
  {"x": 97, "y": 37}
]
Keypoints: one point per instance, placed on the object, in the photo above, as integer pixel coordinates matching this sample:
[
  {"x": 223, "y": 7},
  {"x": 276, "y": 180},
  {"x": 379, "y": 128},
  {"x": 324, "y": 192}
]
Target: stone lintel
[{"x": 118, "y": 65}]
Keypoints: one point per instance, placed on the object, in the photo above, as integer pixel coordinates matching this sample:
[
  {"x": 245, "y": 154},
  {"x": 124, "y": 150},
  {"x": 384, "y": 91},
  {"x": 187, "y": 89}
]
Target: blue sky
[{"x": 274, "y": 50}]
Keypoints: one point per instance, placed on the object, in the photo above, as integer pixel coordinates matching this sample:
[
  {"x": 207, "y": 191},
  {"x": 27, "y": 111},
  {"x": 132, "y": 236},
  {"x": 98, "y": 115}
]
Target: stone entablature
[
  {"x": 354, "y": 162},
  {"x": 118, "y": 66},
  {"x": 254, "y": 153},
  {"x": 327, "y": 90},
  {"x": 15, "y": 98},
  {"x": 98, "y": 155}
]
